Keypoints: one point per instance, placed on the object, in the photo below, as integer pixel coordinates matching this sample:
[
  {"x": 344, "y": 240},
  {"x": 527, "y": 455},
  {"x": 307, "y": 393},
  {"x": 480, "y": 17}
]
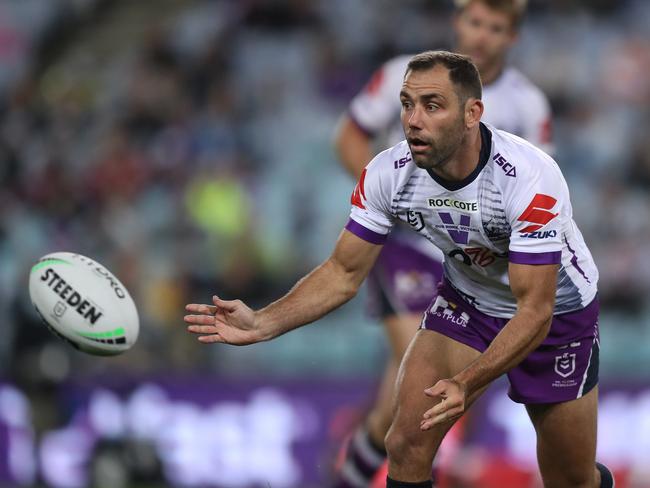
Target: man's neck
[{"x": 465, "y": 160}]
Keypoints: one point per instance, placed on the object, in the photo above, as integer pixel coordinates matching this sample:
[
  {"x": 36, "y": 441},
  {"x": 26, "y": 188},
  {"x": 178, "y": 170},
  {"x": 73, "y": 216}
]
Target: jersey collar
[{"x": 484, "y": 155}]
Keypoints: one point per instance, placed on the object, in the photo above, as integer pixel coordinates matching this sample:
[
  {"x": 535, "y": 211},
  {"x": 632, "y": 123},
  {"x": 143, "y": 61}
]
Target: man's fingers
[
  {"x": 438, "y": 409},
  {"x": 202, "y": 329},
  {"x": 199, "y": 319},
  {"x": 210, "y": 339},
  {"x": 450, "y": 407},
  {"x": 441, "y": 418},
  {"x": 444, "y": 405},
  {"x": 201, "y": 308}
]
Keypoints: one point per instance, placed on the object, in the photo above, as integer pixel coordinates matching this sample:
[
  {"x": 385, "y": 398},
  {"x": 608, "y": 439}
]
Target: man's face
[
  {"x": 484, "y": 34},
  {"x": 432, "y": 117}
]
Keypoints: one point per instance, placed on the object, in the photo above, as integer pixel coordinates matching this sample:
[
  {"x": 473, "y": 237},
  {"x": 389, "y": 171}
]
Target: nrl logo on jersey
[
  {"x": 453, "y": 204},
  {"x": 415, "y": 220}
]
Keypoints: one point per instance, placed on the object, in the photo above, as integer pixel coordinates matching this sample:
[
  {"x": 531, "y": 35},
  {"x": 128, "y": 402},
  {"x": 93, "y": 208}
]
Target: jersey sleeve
[
  {"x": 537, "y": 211},
  {"x": 377, "y": 105},
  {"x": 370, "y": 217}
]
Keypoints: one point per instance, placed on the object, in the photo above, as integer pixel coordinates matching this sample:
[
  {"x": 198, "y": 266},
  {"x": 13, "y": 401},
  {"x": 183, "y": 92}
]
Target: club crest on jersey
[
  {"x": 538, "y": 214},
  {"x": 359, "y": 194},
  {"x": 415, "y": 219},
  {"x": 565, "y": 364}
]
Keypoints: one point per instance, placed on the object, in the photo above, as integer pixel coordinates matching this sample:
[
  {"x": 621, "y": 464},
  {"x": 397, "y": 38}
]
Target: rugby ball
[{"x": 83, "y": 303}]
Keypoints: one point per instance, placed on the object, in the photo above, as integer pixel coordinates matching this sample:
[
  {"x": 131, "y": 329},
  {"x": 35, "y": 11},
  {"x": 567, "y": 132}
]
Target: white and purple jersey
[
  {"x": 512, "y": 103},
  {"x": 513, "y": 208}
]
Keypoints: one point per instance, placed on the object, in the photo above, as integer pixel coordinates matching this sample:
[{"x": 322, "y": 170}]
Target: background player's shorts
[
  {"x": 562, "y": 368},
  {"x": 405, "y": 276}
]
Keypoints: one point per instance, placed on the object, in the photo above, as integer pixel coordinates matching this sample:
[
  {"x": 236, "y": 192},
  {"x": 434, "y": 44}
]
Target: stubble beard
[{"x": 441, "y": 151}]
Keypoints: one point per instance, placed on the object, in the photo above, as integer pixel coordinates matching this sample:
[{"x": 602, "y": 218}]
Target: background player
[
  {"x": 402, "y": 282},
  {"x": 525, "y": 305}
]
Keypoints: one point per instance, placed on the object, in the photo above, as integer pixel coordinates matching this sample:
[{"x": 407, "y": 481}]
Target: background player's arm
[
  {"x": 353, "y": 146},
  {"x": 537, "y": 123},
  {"x": 534, "y": 287},
  {"x": 327, "y": 287},
  {"x": 372, "y": 111}
]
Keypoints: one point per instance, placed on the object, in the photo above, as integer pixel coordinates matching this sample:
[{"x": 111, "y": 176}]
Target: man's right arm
[{"x": 327, "y": 287}]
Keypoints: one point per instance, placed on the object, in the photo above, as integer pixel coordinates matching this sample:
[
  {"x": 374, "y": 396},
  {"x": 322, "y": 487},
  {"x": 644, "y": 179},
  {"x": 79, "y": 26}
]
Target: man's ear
[{"x": 473, "y": 112}]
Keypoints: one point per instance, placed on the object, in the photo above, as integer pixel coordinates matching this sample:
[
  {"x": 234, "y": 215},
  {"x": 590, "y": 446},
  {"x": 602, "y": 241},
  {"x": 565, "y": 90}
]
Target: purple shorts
[
  {"x": 562, "y": 368},
  {"x": 403, "y": 280}
]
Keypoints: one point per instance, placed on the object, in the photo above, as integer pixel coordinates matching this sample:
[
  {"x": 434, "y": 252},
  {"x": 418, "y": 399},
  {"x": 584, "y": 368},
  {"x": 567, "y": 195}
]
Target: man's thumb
[
  {"x": 434, "y": 390},
  {"x": 227, "y": 305}
]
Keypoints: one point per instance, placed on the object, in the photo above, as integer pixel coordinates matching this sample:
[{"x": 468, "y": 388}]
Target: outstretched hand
[
  {"x": 227, "y": 321},
  {"x": 453, "y": 400}
]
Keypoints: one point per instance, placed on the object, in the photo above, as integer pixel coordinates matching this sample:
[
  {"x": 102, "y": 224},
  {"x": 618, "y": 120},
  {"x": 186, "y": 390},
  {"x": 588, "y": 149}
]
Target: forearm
[
  {"x": 521, "y": 335},
  {"x": 324, "y": 289}
]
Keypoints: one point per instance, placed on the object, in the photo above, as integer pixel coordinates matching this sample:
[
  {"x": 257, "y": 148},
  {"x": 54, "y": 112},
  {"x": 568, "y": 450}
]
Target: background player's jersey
[
  {"x": 512, "y": 103},
  {"x": 513, "y": 208}
]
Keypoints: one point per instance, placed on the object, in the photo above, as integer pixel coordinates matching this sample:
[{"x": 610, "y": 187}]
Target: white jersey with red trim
[
  {"x": 512, "y": 103},
  {"x": 513, "y": 208}
]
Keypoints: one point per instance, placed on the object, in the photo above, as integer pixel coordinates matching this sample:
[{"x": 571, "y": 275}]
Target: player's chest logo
[
  {"x": 565, "y": 364},
  {"x": 415, "y": 220}
]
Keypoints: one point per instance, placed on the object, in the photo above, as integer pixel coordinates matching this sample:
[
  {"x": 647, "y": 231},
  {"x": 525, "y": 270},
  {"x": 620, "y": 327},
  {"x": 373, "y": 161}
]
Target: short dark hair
[
  {"x": 515, "y": 9},
  {"x": 462, "y": 71}
]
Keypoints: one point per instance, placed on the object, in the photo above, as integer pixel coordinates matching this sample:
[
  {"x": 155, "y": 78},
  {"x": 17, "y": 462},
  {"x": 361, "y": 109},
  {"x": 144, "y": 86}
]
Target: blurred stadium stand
[{"x": 186, "y": 145}]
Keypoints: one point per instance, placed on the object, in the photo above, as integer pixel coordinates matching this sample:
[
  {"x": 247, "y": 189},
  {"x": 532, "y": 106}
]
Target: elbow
[
  {"x": 546, "y": 312},
  {"x": 348, "y": 281},
  {"x": 539, "y": 319},
  {"x": 352, "y": 282},
  {"x": 351, "y": 291}
]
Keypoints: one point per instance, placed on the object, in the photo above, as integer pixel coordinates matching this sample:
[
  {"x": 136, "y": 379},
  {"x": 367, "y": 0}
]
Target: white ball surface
[{"x": 84, "y": 303}]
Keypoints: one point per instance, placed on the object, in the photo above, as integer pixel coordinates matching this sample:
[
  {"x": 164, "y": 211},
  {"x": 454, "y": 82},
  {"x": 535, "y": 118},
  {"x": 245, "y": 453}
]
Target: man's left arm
[{"x": 534, "y": 287}]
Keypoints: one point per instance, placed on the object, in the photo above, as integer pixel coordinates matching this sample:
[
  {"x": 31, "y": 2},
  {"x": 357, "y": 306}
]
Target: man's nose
[
  {"x": 482, "y": 35},
  {"x": 415, "y": 120}
]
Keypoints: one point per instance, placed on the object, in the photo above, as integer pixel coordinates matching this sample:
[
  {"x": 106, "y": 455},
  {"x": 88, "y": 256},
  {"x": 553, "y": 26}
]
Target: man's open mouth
[{"x": 417, "y": 144}]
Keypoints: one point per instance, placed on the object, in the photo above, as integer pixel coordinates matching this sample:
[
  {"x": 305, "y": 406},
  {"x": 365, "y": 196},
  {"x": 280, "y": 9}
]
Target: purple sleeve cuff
[
  {"x": 517, "y": 257},
  {"x": 369, "y": 133},
  {"x": 366, "y": 234}
]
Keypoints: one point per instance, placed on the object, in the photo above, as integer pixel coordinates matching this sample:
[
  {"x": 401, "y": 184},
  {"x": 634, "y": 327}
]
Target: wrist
[
  {"x": 463, "y": 383},
  {"x": 263, "y": 333}
]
